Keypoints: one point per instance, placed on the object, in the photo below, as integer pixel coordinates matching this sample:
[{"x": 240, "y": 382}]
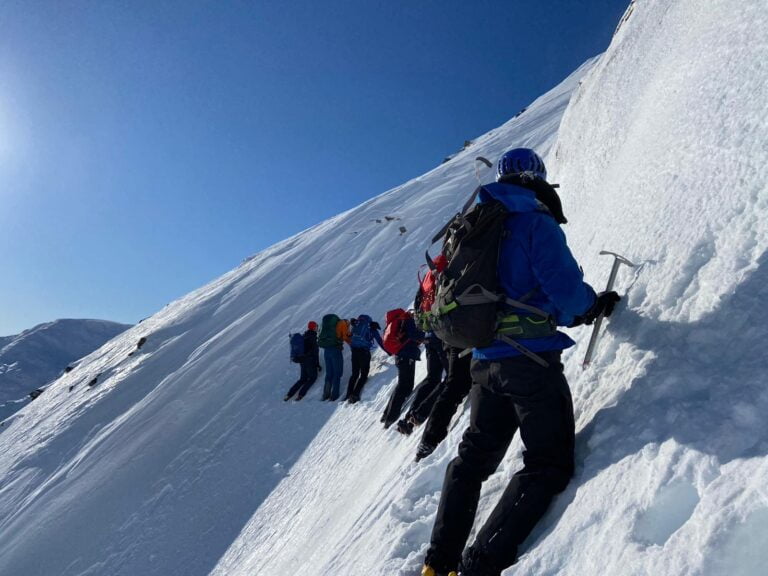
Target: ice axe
[
  {"x": 618, "y": 260},
  {"x": 478, "y": 161}
]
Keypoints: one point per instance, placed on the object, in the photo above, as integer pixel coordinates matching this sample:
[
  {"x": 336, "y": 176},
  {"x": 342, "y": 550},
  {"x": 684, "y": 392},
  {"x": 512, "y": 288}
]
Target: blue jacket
[
  {"x": 367, "y": 342},
  {"x": 535, "y": 255},
  {"x": 412, "y": 348}
]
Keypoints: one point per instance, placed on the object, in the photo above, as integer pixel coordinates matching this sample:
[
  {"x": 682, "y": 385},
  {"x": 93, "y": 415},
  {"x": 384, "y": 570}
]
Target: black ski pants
[
  {"x": 307, "y": 378},
  {"x": 406, "y": 373},
  {"x": 449, "y": 396},
  {"x": 361, "y": 365},
  {"x": 428, "y": 389},
  {"x": 507, "y": 394}
]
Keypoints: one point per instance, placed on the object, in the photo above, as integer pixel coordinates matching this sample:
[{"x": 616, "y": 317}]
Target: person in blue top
[
  {"x": 517, "y": 388},
  {"x": 364, "y": 332}
]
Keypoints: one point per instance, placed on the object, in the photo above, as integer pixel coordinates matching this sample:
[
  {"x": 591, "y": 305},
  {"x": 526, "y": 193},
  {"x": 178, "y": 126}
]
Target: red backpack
[
  {"x": 394, "y": 334},
  {"x": 428, "y": 284}
]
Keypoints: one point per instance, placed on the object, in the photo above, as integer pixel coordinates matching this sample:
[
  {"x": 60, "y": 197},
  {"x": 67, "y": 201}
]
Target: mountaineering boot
[
  {"x": 424, "y": 450},
  {"x": 475, "y": 562},
  {"x": 287, "y": 397},
  {"x": 429, "y": 571},
  {"x": 404, "y": 427}
]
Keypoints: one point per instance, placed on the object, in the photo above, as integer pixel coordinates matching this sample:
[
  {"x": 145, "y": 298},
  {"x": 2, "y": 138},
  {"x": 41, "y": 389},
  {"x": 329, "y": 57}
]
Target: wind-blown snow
[{"x": 183, "y": 460}]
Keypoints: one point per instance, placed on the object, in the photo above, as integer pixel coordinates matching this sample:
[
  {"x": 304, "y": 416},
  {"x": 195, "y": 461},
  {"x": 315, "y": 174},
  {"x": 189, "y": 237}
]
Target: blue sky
[{"x": 148, "y": 147}]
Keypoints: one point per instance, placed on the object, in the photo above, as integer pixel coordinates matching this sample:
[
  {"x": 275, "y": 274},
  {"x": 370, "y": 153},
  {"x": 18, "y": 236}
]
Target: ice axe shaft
[{"x": 618, "y": 260}]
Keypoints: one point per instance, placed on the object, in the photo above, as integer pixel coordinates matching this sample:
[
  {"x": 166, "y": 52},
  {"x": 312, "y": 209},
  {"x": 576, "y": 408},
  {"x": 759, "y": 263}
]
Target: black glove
[
  {"x": 319, "y": 368},
  {"x": 605, "y": 303}
]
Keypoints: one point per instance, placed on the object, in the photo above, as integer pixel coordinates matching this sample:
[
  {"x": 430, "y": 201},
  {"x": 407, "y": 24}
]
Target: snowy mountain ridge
[
  {"x": 40, "y": 354},
  {"x": 183, "y": 459}
]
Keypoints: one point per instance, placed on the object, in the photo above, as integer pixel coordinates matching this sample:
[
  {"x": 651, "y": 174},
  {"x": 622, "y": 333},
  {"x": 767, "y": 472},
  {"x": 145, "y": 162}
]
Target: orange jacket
[{"x": 342, "y": 331}]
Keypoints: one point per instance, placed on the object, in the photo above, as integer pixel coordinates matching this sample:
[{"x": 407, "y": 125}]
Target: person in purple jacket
[{"x": 519, "y": 385}]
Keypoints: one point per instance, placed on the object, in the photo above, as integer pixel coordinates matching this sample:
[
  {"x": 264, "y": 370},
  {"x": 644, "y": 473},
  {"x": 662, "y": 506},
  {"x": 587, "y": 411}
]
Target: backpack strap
[
  {"x": 517, "y": 346},
  {"x": 477, "y": 294},
  {"x": 524, "y": 351}
]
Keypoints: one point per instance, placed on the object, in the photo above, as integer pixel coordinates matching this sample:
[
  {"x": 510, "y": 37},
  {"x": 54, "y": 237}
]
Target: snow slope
[
  {"x": 159, "y": 467},
  {"x": 182, "y": 459},
  {"x": 36, "y": 356}
]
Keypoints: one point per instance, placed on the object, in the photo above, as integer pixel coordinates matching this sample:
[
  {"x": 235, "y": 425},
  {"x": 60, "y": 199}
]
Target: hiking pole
[{"x": 618, "y": 260}]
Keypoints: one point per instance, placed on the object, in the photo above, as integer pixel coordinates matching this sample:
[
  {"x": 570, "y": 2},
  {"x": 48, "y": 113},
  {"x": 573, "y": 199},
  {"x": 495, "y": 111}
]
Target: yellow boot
[{"x": 429, "y": 571}]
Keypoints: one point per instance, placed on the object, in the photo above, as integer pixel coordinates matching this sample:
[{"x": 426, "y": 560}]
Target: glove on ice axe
[{"x": 618, "y": 260}]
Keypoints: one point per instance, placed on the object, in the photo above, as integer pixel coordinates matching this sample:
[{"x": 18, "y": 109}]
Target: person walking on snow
[
  {"x": 449, "y": 396},
  {"x": 437, "y": 359},
  {"x": 333, "y": 333},
  {"x": 512, "y": 388},
  {"x": 310, "y": 364},
  {"x": 364, "y": 332},
  {"x": 427, "y": 390},
  {"x": 406, "y": 358}
]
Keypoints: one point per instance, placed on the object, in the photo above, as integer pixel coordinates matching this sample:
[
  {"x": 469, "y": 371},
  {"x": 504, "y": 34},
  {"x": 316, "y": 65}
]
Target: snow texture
[{"x": 183, "y": 460}]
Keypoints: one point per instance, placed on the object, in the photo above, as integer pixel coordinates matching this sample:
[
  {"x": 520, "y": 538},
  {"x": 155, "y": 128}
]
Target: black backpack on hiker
[{"x": 469, "y": 304}]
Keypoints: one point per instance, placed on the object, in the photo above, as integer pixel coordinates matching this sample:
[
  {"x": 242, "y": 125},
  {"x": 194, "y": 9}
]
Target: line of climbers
[
  {"x": 359, "y": 333},
  {"x": 503, "y": 283},
  {"x": 436, "y": 399}
]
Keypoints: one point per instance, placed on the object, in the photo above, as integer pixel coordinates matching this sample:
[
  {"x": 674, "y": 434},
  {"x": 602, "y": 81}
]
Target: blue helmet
[{"x": 521, "y": 161}]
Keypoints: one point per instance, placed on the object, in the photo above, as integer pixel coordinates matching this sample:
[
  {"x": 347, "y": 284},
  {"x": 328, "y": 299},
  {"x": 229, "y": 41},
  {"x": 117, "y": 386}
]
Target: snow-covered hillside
[
  {"x": 183, "y": 460},
  {"x": 36, "y": 356}
]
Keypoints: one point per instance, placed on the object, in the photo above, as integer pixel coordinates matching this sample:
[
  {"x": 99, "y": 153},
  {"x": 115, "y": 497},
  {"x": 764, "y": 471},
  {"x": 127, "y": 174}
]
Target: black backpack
[
  {"x": 297, "y": 347},
  {"x": 466, "y": 311}
]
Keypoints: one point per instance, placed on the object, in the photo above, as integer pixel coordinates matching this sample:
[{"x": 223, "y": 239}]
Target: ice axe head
[
  {"x": 618, "y": 257},
  {"x": 481, "y": 160},
  {"x": 618, "y": 260}
]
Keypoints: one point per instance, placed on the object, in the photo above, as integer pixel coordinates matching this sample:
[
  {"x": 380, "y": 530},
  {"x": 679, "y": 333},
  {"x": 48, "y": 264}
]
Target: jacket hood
[
  {"x": 513, "y": 195},
  {"x": 515, "y": 198}
]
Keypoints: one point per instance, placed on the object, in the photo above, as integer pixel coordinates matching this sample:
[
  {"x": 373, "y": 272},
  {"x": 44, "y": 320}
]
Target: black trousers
[
  {"x": 448, "y": 397},
  {"x": 307, "y": 378},
  {"x": 507, "y": 394},
  {"x": 428, "y": 389},
  {"x": 406, "y": 373},
  {"x": 361, "y": 365}
]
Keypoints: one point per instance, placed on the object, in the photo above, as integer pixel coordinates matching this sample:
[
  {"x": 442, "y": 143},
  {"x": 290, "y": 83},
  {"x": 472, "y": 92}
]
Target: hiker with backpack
[
  {"x": 426, "y": 391},
  {"x": 438, "y": 407},
  {"x": 524, "y": 282},
  {"x": 401, "y": 338},
  {"x": 437, "y": 359},
  {"x": 333, "y": 333},
  {"x": 305, "y": 352},
  {"x": 364, "y": 332}
]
